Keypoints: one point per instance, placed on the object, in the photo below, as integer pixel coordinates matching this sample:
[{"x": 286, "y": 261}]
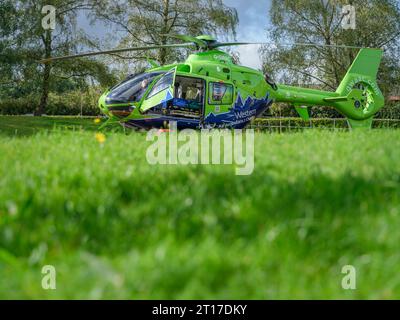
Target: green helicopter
[{"x": 209, "y": 90}]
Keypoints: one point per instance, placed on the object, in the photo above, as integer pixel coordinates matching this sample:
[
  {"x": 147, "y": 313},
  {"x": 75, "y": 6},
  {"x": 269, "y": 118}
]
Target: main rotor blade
[
  {"x": 87, "y": 54},
  {"x": 229, "y": 44},
  {"x": 215, "y": 44}
]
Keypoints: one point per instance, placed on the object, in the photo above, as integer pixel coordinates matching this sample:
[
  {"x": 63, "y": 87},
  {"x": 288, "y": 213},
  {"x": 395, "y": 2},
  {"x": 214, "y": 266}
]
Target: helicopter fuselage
[
  {"x": 209, "y": 90},
  {"x": 206, "y": 91}
]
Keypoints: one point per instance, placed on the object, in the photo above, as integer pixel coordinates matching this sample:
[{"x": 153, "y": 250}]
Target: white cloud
[{"x": 249, "y": 56}]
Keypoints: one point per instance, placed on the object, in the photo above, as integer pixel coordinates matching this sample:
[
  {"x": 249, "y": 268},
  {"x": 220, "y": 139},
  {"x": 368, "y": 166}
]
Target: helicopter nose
[{"x": 121, "y": 112}]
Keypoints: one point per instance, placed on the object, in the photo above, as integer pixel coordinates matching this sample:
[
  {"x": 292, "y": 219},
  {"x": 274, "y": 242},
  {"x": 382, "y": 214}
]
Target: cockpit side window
[
  {"x": 220, "y": 93},
  {"x": 132, "y": 90},
  {"x": 164, "y": 83}
]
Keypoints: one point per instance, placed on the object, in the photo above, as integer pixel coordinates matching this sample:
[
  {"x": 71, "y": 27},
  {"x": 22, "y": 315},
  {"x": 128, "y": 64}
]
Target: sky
[{"x": 253, "y": 23}]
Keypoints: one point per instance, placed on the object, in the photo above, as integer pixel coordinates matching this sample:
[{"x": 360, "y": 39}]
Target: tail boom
[{"x": 358, "y": 97}]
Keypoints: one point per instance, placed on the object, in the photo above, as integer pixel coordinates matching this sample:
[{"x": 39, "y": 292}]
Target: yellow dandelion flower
[
  {"x": 100, "y": 137},
  {"x": 97, "y": 121}
]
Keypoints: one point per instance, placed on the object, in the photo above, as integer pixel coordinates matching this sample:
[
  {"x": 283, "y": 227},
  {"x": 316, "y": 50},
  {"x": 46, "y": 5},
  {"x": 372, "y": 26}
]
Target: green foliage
[
  {"x": 116, "y": 227},
  {"x": 71, "y": 104},
  {"x": 392, "y": 111},
  {"x": 279, "y": 110},
  {"x": 309, "y": 21},
  {"x": 67, "y": 103},
  {"x": 23, "y": 42},
  {"x": 18, "y": 106},
  {"x": 148, "y": 23}
]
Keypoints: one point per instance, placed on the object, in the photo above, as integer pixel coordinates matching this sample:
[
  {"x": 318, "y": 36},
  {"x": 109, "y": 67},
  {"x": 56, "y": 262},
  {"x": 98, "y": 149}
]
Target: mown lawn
[
  {"x": 27, "y": 125},
  {"x": 116, "y": 227}
]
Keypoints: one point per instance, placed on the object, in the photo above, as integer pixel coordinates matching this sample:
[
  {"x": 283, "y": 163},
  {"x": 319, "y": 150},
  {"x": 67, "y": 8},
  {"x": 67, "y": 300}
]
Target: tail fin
[{"x": 359, "y": 95}]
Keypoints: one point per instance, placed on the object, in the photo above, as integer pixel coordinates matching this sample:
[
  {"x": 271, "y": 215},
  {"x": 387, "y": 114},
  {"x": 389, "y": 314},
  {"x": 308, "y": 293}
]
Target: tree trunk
[
  {"x": 163, "y": 51},
  {"x": 46, "y": 75}
]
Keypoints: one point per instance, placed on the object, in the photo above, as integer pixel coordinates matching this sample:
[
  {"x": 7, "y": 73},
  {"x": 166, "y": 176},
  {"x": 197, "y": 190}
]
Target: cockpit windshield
[{"x": 133, "y": 89}]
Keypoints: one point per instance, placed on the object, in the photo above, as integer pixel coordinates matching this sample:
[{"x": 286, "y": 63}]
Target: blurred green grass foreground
[{"x": 114, "y": 226}]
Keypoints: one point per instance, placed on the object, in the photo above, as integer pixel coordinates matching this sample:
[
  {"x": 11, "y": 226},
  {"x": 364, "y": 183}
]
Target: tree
[
  {"x": 27, "y": 42},
  {"x": 147, "y": 22},
  {"x": 9, "y": 21},
  {"x": 319, "y": 21}
]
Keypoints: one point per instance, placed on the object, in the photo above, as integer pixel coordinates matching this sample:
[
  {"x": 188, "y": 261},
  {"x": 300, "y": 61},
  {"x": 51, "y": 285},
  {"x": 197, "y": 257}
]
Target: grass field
[{"x": 116, "y": 227}]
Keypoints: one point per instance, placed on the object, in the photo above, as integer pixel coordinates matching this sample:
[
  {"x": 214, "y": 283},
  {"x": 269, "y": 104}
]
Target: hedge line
[
  {"x": 70, "y": 103},
  {"x": 74, "y": 102},
  {"x": 281, "y": 110}
]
